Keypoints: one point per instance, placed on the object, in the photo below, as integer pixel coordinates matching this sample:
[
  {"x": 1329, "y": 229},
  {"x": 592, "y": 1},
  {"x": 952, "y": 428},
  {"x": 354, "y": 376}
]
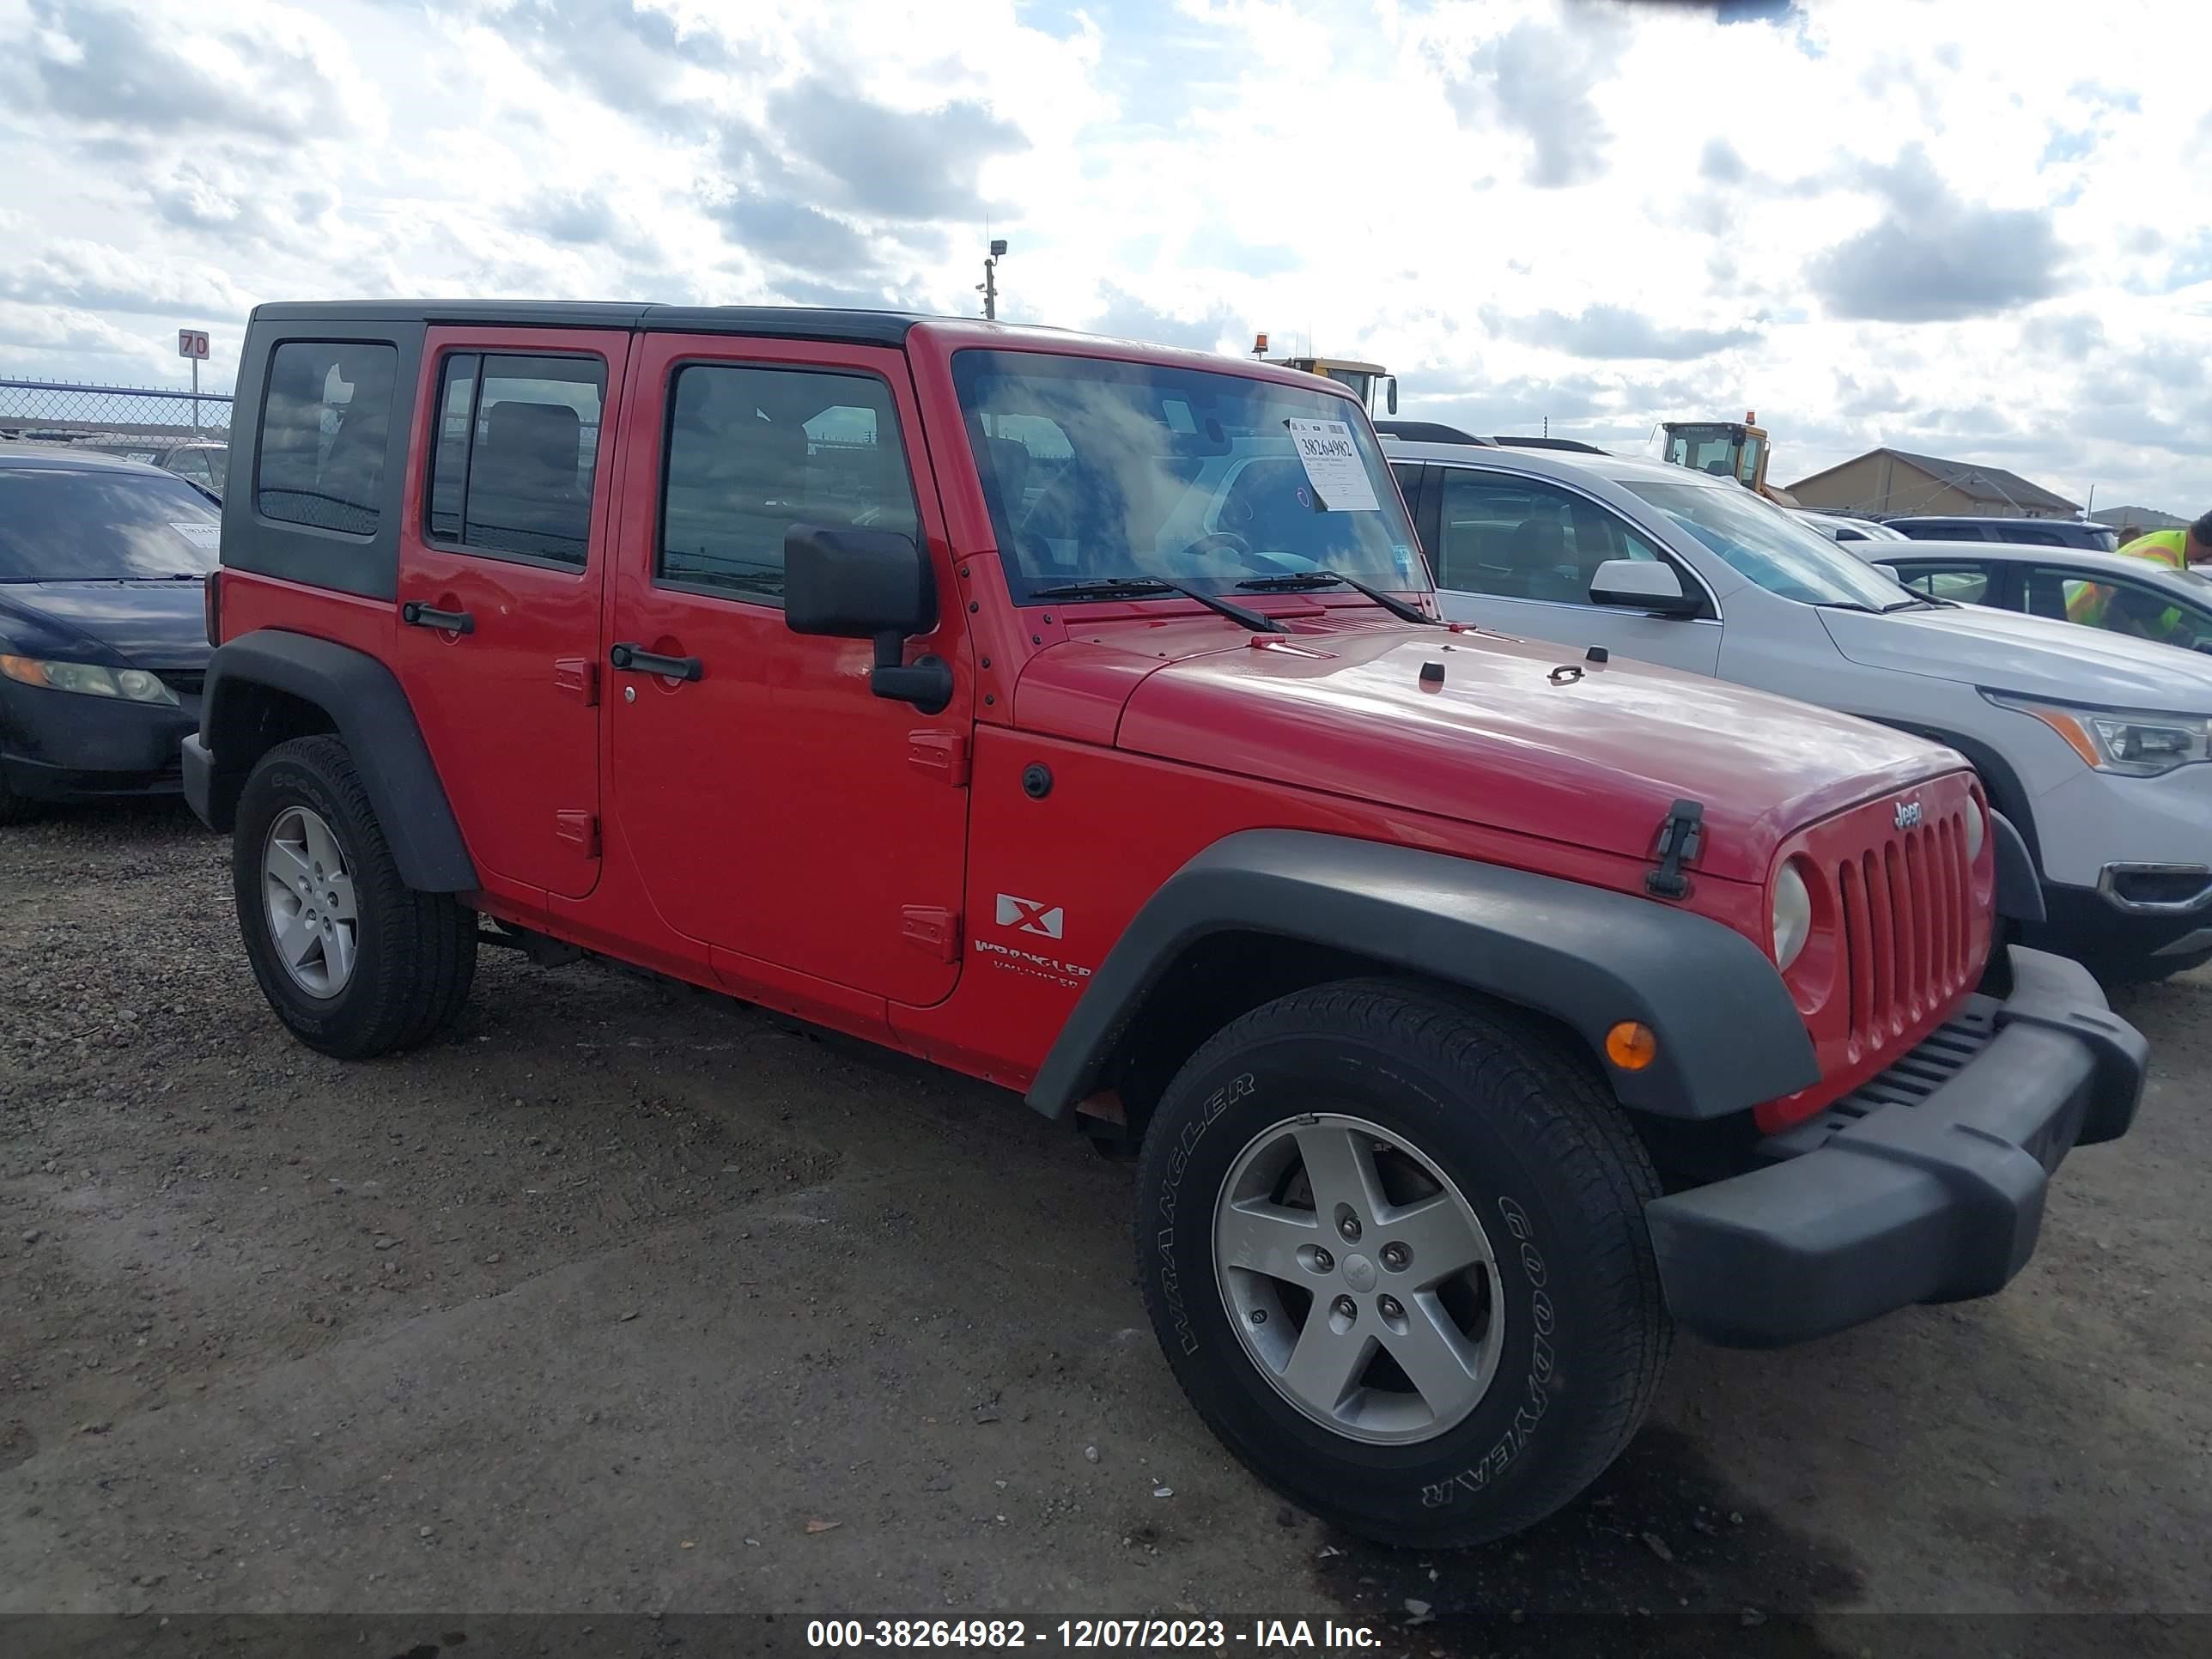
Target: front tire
[
  {"x": 354, "y": 961},
  {"x": 1394, "y": 1245},
  {"x": 14, "y": 808}
]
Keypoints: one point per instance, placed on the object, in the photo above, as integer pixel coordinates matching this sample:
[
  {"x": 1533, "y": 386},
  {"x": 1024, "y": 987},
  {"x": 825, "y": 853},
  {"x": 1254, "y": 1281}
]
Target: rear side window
[
  {"x": 517, "y": 451},
  {"x": 752, "y": 452},
  {"x": 325, "y": 426}
]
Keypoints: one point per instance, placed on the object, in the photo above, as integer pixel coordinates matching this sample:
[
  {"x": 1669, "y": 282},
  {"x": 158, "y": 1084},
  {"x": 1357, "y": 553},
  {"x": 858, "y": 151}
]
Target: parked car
[
  {"x": 2139, "y": 597},
  {"x": 1524, "y": 440},
  {"x": 2092, "y": 744},
  {"x": 1075, "y": 713},
  {"x": 1841, "y": 527},
  {"x": 102, "y": 639},
  {"x": 1426, "y": 432},
  {"x": 2043, "y": 532},
  {"x": 206, "y": 464}
]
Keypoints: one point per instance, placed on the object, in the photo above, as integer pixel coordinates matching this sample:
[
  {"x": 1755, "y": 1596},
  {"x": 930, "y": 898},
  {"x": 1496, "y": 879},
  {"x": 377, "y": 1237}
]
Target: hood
[
  {"x": 2035, "y": 656},
  {"x": 1594, "y": 759},
  {"x": 144, "y": 624}
]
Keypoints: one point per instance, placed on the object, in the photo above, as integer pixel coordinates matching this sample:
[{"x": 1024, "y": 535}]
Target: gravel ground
[{"x": 628, "y": 1301}]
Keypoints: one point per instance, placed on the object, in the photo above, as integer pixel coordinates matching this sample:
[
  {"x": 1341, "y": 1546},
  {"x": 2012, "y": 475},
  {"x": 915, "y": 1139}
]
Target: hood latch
[{"x": 1680, "y": 838}]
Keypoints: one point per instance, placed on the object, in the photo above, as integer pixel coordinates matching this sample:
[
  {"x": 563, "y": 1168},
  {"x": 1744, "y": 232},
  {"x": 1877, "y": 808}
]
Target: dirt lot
[{"x": 608, "y": 1305}]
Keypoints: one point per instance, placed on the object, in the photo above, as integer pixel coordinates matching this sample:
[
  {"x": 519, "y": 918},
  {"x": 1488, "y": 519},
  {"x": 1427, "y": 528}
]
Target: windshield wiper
[
  {"x": 1302, "y": 581},
  {"x": 1845, "y": 604},
  {"x": 1130, "y": 588}
]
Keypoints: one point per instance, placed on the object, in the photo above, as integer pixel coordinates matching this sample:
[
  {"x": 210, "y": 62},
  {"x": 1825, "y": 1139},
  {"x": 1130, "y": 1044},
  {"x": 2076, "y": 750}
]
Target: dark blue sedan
[{"x": 103, "y": 644}]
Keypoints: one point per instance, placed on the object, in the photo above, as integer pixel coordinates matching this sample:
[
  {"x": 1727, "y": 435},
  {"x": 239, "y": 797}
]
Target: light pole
[{"x": 988, "y": 287}]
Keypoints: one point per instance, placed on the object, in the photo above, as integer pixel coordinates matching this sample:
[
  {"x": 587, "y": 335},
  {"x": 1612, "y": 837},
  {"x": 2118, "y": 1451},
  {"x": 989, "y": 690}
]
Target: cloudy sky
[{"x": 1980, "y": 229}]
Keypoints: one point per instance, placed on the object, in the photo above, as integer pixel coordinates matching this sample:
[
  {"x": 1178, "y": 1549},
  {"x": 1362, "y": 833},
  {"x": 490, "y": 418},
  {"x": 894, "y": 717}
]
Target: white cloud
[{"x": 1608, "y": 216}]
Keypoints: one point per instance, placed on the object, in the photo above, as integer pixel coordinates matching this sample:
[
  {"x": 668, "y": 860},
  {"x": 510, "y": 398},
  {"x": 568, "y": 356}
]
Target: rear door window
[
  {"x": 516, "y": 455},
  {"x": 325, "y": 430}
]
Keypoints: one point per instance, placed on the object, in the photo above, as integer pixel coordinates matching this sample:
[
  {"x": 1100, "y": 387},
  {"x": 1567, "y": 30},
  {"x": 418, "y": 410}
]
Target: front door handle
[
  {"x": 631, "y": 660},
  {"x": 417, "y": 615}
]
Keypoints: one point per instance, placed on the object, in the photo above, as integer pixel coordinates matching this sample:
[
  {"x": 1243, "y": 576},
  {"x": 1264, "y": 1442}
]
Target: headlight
[
  {"x": 1977, "y": 828},
  {"x": 130, "y": 684},
  {"x": 2124, "y": 740},
  {"x": 1793, "y": 916}
]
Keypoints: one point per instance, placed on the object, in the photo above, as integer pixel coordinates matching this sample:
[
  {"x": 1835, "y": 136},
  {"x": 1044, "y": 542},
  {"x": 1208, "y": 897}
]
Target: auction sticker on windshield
[
  {"x": 205, "y": 537},
  {"x": 1332, "y": 465}
]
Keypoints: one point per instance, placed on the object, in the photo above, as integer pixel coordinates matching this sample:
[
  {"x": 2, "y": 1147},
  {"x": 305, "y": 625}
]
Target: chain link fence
[{"x": 60, "y": 412}]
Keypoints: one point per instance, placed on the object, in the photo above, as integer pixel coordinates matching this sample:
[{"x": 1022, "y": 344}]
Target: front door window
[
  {"x": 752, "y": 452},
  {"x": 1521, "y": 538},
  {"x": 2136, "y": 609}
]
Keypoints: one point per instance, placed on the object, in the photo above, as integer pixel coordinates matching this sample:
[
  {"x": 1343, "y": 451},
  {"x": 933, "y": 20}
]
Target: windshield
[
  {"x": 1760, "y": 541},
  {"x": 1096, "y": 471},
  {"x": 68, "y": 524}
]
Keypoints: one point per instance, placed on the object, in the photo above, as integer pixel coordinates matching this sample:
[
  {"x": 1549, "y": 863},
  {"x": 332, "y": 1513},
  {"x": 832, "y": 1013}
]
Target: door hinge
[
  {"x": 581, "y": 829},
  {"x": 943, "y": 755},
  {"x": 933, "y": 928},
  {"x": 579, "y": 677}
]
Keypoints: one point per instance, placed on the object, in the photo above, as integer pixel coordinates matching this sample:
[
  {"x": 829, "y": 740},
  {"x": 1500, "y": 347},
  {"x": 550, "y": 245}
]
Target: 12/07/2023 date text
[{"x": 1258, "y": 1635}]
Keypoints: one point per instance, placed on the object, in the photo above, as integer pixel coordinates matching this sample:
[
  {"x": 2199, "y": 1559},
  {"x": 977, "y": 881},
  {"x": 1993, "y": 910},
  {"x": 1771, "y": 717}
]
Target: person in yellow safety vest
[{"x": 2177, "y": 549}]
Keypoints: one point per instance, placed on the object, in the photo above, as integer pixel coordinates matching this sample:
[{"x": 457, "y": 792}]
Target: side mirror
[
  {"x": 868, "y": 585},
  {"x": 1390, "y": 394},
  {"x": 1643, "y": 585}
]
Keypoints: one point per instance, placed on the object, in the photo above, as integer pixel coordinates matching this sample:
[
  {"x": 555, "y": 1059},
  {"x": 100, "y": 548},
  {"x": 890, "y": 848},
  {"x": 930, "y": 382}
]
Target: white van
[{"x": 2094, "y": 745}]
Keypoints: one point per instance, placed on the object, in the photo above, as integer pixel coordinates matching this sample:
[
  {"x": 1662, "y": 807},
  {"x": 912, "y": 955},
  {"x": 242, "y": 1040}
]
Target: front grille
[
  {"x": 1907, "y": 909},
  {"x": 184, "y": 682},
  {"x": 1934, "y": 1061}
]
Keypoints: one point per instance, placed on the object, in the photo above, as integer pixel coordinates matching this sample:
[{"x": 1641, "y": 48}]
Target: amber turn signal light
[{"x": 1631, "y": 1045}]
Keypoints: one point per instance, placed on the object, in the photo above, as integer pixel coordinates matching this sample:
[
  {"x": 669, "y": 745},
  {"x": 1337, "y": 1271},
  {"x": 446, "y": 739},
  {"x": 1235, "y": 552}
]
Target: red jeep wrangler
[{"x": 1075, "y": 714}]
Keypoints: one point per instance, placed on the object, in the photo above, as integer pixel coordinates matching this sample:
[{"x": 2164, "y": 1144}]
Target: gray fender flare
[
  {"x": 1730, "y": 1036},
  {"x": 373, "y": 718}
]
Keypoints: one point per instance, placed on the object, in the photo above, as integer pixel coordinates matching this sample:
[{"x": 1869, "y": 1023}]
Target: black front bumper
[
  {"x": 2118, "y": 945},
  {"x": 60, "y": 746},
  {"x": 1925, "y": 1185}
]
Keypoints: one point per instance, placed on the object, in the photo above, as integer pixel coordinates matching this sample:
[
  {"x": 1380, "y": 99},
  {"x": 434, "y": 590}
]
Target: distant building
[
  {"x": 2134, "y": 521},
  {"x": 1893, "y": 483}
]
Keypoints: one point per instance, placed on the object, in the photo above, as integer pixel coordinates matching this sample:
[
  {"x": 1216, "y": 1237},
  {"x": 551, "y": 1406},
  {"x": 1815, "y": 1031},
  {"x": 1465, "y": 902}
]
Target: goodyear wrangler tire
[
  {"x": 354, "y": 961},
  {"x": 1394, "y": 1245}
]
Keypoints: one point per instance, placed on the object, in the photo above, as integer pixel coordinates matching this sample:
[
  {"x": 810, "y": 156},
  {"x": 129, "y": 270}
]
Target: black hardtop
[{"x": 822, "y": 323}]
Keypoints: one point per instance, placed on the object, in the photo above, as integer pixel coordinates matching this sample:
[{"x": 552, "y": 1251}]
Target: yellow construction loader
[{"x": 1733, "y": 449}]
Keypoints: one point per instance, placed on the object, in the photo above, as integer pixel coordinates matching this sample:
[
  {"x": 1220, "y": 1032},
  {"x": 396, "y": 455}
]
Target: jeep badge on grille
[{"x": 1908, "y": 814}]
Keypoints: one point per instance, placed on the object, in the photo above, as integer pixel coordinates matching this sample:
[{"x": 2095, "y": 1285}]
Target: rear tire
[
  {"x": 385, "y": 968},
  {"x": 1554, "y": 1339}
]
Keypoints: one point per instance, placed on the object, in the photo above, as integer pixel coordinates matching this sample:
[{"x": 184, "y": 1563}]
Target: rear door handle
[
  {"x": 417, "y": 615},
  {"x": 631, "y": 660}
]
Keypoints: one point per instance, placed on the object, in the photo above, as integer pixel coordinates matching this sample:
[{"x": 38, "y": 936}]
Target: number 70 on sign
[{"x": 192, "y": 343}]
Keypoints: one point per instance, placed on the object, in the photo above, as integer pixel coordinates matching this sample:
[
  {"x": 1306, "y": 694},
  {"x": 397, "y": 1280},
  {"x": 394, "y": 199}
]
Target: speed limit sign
[{"x": 192, "y": 343}]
